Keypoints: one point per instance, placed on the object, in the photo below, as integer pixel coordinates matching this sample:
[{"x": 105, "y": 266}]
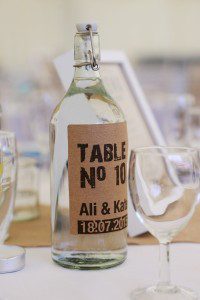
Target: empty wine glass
[
  {"x": 7, "y": 181},
  {"x": 164, "y": 186}
]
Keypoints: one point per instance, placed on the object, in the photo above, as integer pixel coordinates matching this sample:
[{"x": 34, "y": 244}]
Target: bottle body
[{"x": 86, "y": 103}]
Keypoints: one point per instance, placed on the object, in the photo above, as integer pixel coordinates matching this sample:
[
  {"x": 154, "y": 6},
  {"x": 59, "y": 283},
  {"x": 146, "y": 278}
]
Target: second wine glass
[{"x": 164, "y": 185}]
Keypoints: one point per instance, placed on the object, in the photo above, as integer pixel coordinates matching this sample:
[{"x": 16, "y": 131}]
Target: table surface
[{"x": 42, "y": 279}]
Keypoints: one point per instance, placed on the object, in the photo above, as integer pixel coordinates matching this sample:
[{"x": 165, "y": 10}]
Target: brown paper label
[{"x": 97, "y": 177}]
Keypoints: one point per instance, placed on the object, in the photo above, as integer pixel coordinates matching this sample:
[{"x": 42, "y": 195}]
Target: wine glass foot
[{"x": 164, "y": 293}]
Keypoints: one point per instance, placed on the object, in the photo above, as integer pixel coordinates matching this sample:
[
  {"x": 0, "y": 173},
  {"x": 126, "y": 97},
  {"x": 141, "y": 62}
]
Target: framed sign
[{"x": 121, "y": 82}]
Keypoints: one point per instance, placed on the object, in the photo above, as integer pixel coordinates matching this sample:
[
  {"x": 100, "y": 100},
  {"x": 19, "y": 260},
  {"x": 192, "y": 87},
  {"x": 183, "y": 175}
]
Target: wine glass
[
  {"x": 164, "y": 186},
  {"x": 8, "y": 168}
]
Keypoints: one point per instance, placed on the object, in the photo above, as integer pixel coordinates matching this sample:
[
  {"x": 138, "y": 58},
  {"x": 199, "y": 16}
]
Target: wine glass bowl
[{"x": 164, "y": 185}]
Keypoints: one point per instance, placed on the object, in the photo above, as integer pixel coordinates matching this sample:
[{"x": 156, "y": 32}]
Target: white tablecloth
[{"x": 44, "y": 280}]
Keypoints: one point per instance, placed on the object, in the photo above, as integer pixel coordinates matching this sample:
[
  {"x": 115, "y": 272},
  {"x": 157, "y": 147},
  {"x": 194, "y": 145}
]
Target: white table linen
[{"x": 42, "y": 279}]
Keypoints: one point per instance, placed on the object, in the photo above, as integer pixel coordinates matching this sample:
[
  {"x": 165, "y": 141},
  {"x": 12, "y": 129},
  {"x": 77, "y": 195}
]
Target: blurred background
[{"x": 160, "y": 37}]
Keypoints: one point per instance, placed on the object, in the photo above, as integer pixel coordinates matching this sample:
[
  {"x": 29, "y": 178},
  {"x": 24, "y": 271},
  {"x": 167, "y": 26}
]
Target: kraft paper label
[{"x": 97, "y": 178}]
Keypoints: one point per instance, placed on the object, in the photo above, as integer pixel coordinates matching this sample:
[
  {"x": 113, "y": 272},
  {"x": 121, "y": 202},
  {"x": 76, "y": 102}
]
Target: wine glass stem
[{"x": 164, "y": 261}]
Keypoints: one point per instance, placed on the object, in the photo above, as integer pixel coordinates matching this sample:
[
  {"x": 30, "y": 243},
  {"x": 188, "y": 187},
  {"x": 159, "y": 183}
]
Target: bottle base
[{"x": 89, "y": 260}]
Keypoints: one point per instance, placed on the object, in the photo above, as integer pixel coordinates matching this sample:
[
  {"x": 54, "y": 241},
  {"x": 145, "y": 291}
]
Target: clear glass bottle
[{"x": 86, "y": 103}]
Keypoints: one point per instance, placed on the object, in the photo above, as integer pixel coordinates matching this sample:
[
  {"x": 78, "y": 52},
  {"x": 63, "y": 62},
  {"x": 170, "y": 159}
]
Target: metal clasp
[{"x": 93, "y": 61}]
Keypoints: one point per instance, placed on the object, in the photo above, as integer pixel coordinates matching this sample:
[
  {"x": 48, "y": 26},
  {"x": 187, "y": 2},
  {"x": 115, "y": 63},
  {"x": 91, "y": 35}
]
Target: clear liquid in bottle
[{"x": 100, "y": 240}]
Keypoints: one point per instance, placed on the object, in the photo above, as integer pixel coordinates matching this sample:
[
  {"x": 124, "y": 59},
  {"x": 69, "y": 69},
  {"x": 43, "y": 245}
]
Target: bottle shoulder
[{"x": 92, "y": 100}]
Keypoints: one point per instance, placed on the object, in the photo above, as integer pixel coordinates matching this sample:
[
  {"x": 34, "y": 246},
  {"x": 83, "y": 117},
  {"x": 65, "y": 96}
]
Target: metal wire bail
[{"x": 93, "y": 61}]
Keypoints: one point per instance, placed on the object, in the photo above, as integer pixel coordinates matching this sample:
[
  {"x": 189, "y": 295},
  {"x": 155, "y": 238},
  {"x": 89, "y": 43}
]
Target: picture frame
[{"x": 121, "y": 82}]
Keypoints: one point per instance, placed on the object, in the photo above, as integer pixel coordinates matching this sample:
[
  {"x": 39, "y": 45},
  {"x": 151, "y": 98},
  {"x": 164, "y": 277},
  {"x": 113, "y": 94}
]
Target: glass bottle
[{"x": 88, "y": 146}]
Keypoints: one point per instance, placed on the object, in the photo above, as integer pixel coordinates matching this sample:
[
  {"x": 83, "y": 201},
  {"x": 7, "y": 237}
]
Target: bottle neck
[
  {"x": 86, "y": 73},
  {"x": 85, "y": 49}
]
